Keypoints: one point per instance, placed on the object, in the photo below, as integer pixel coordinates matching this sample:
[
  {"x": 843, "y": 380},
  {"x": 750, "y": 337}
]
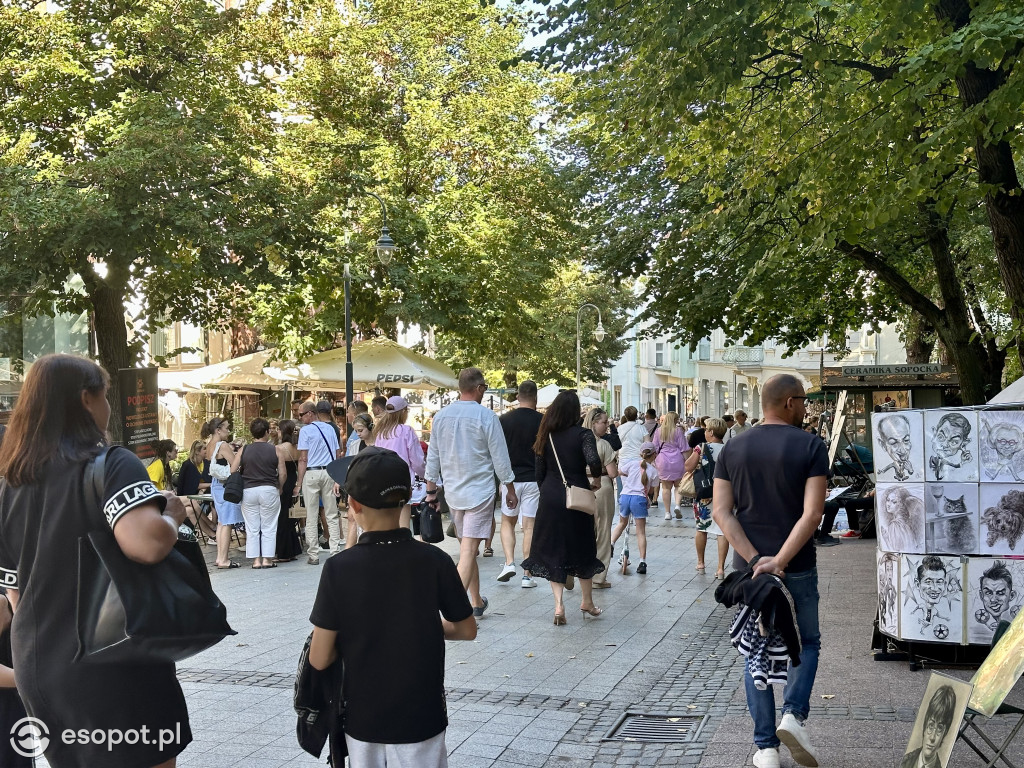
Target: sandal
[
  {"x": 700, "y": 568},
  {"x": 595, "y": 611},
  {"x": 719, "y": 574},
  {"x": 229, "y": 565},
  {"x": 488, "y": 552}
]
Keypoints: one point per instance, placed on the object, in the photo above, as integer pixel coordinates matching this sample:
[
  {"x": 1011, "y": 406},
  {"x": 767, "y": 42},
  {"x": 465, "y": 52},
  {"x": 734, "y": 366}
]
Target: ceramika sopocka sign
[{"x": 139, "y": 410}]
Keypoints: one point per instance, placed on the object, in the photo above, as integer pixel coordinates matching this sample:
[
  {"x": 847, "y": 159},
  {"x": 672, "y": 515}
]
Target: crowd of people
[{"x": 762, "y": 494}]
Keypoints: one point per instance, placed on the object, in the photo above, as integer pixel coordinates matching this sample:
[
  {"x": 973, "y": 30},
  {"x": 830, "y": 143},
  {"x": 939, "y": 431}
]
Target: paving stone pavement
[{"x": 528, "y": 693}]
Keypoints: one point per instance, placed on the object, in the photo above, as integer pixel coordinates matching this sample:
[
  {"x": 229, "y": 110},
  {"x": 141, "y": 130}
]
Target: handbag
[
  {"x": 580, "y": 499},
  {"x": 220, "y": 471},
  {"x": 133, "y": 613},
  {"x": 430, "y": 527},
  {"x": 234, "y": 486},
  {"x": 686, "y": 488},
  {"x": 704, "y": 475}
]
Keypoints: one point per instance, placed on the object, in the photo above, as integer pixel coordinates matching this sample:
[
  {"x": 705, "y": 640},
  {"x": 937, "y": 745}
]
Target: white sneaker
[
  {"x": 528, "y": 583},
  {"x": 507, "y": 573},
  {"x": 668, "y": 515},
  {"x": 766, "y": 758},
  {"x": 792, "y": 733}
]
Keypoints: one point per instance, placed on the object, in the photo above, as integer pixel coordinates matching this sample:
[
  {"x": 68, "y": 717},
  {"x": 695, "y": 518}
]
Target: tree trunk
[
  {"x": 920, "y": 339},
  {"x": 1004, "y": 198},
  {"x": 511, "y": 377},
  {"x": 111, "y": 342}
]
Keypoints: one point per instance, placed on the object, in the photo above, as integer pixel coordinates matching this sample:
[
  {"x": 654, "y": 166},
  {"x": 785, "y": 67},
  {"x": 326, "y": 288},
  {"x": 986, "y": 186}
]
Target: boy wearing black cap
[{"x": 379, "y": 610}]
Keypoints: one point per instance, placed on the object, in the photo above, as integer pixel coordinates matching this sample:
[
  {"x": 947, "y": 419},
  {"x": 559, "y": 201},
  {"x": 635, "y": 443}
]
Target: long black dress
[
  {"x": 563, "y": 539},
  {"x": 288, "y": 545},
  {"x": 40, "y": 527},
  {"x": 11, "y": 708}
]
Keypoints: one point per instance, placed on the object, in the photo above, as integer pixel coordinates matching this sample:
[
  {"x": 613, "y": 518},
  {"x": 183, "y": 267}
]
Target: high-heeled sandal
[
  {"x": 595, "y": 611},
  {"x": 719, "y": 574},
  {"x": 560, "y": 620},
  {"x": 700, "y": 569}
]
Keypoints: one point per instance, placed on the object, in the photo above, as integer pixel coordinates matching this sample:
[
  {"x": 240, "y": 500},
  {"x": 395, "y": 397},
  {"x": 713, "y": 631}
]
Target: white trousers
[
  {"x": 431, "y": 753},
  {"x": 261, "y": 507}
]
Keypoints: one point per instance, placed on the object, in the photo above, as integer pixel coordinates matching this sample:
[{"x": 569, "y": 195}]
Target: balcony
[{"x": 744, "y": 357}]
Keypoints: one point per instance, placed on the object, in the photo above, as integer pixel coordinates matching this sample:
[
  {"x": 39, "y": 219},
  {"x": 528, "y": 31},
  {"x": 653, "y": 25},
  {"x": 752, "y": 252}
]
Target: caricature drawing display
[
  {"x": 888, "y": 592},
  {"x": 932, "y": 592},
  {"x": 900, "y": 517},
  {"x": 1002, "y": 519},
  {"x": 937, "y": 723},
  {"x": 899, "y": 446},
  {"x": 995, "y": 591},
  {"x": 952, "y": 446},
  {"x": 951, "y": 516},
  {"x": 1002, "y": 446}
]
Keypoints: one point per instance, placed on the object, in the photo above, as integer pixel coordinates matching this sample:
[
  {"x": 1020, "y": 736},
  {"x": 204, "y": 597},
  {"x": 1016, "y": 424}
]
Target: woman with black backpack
[{"x": 705, "y": 455}]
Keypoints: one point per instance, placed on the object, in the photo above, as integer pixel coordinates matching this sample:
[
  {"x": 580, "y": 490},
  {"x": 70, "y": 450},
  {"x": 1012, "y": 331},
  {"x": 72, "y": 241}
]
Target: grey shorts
[{"x": 474, "y": 523}]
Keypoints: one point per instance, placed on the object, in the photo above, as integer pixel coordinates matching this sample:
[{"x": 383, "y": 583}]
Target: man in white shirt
[
  {"x": 318, "y": 447},
  {"x": 741, "y": 424},
  {"x": 467, "y": 448}
]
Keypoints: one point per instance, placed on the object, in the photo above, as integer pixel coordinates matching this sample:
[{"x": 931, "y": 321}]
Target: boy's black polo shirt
[{"x": 382, "y": 597}]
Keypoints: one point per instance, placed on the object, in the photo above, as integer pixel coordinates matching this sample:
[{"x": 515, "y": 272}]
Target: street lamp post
[
  {"x": 598, "y": 334},
  {"x": 385, "y": 249}
]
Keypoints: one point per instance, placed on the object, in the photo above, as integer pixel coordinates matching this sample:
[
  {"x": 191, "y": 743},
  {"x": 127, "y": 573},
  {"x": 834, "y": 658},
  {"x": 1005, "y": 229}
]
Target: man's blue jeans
[{"x": 797, "y": 696}]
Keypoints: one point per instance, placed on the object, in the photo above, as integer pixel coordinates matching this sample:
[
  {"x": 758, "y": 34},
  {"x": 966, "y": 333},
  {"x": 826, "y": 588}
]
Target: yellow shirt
[{"x": 156, "y": 474}]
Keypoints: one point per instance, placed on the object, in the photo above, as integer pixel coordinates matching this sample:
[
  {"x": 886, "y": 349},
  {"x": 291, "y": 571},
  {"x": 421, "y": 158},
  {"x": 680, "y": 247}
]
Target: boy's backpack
[{"x": 704, "y": 474}]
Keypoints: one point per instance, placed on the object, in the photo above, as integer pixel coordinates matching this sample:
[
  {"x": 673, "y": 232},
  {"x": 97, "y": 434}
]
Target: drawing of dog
[{"x": 1006, "y": 519}]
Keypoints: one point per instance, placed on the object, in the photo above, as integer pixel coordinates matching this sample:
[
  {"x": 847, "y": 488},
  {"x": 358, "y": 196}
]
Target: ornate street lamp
[{"x": 599, "y": 334}]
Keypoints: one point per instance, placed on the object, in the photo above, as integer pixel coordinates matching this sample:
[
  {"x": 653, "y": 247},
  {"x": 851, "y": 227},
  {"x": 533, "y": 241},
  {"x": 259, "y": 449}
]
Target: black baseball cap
[{"x": 376, "y": 477}]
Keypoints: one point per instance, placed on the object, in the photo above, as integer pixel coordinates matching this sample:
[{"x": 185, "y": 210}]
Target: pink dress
[
  {"x": 404, "y": 442},
  {"x": 671, "y": 460}
]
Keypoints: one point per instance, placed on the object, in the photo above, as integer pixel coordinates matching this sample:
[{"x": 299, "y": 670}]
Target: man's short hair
[
  {"x": 379, "y": 402},
  {"x": 528, "y": 391},
  {"x": 957, "y": 422},
  {"x": 930, "y": 563},
  {"x": 307, "y": 407},
  {"x": 651, "y": 413},
  {"x": 324, "y": 406},
  {"x": 999, "y": 572},
  {"x": 778, "y": 389},
  {"x": 941, "y": 706},
  {"x": 470, "y": 379},
  {"x": 739, "y": 413},
  {"x": 728, "y": 419},
  {"x": 358, "y": 406}
]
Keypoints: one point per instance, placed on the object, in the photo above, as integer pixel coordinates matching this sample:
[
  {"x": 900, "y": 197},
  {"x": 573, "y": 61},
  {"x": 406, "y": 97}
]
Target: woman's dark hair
[
  {"x": 50, "y": 420},
  {"x": 259, "y": 428},
  {"x": 161, "y": 448},
  {"x": 287, "y": 428},
  {"x": 214, "y": 424},
  {"x": 206, "y": 432},
  {"x": 563, "y": 413}
]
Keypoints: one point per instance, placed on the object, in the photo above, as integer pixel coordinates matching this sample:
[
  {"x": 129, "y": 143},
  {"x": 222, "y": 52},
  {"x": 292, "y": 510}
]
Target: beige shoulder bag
[{"x": 580, "y": 499}]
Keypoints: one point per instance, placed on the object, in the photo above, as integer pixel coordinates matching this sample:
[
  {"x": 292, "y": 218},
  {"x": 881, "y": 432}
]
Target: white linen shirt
[{"x": 467, "y": 448}]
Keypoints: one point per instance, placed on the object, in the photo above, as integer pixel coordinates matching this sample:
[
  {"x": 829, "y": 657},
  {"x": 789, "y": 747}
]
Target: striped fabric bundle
[{"x": 763, "y": 647}]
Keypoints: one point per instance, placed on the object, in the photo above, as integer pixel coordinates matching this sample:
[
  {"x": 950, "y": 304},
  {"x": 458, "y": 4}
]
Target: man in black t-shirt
[
  {"x": 379, "y": 609},
  {"x": 520, "y": 427},
  {"x": 775, "y": 476}
]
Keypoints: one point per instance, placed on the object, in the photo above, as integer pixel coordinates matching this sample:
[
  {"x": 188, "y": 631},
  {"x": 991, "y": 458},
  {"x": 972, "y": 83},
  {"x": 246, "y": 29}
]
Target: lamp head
[
  {"x": 599, "y": 333},
  {"x": 385, "y": 246}
]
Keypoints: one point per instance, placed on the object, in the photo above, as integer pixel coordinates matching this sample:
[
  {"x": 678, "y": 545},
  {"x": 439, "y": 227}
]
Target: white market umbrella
[
  {"x": 546, "y": 396},
  {"x": 239, "y": 372},
  {"x": 1012, "y": 394},
  {"x": 375, "y": 363}
]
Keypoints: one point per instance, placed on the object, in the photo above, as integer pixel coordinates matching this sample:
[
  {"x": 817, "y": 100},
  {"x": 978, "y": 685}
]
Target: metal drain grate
[{"x": 663, "y": 728}]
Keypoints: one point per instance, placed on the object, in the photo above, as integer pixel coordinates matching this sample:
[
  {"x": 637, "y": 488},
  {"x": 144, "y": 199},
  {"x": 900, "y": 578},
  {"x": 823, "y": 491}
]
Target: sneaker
[
  {"x": 850, "y": 535},
  {"x": 826, "y": 541},
  {"x": 792, "y": 733},
  {"x": 679, "y": 513},
  {"x": 313, "y": 561},
  {"x": 766, "y": 758},
  {"x": 528, "y": 583},
  {"x": 642, "y": 568},
  {"x": 478, "y": 611},
  {"x": 507, "y": 573},
  {"x": 668, "y": 516}
]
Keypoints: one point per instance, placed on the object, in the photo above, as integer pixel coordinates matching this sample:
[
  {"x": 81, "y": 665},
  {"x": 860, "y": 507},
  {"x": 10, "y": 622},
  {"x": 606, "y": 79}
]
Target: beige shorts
[{"x": 474, "y": 523}]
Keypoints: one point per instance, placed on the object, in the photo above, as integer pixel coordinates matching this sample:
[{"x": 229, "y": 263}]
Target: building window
[
  {"x": 659, "y": 355},
  {"x": 704, "y": 349}
]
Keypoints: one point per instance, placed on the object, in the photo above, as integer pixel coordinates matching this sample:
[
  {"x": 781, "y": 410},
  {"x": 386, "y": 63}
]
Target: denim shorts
[{"x": 633, "y": 505}]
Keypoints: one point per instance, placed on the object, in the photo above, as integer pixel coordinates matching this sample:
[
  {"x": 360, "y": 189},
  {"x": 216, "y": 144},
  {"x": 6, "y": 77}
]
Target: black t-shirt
[
  {"x": 520, "y": 427},
  {"x": 768, "y": 467},
  {"x": 382, "y": 597},
  {"x": 190, "y": 476}
]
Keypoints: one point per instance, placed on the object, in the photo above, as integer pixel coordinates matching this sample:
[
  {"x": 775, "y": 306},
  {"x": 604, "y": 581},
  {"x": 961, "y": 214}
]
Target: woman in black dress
[
  {"x": 57, "y": 427},
  {"x": 288, "y": 545},
  {"x": 564, "y": 545}
]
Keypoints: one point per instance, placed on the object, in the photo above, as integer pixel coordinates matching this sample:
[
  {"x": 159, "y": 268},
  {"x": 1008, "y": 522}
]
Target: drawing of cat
[{"x": 960, "y": 536}]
